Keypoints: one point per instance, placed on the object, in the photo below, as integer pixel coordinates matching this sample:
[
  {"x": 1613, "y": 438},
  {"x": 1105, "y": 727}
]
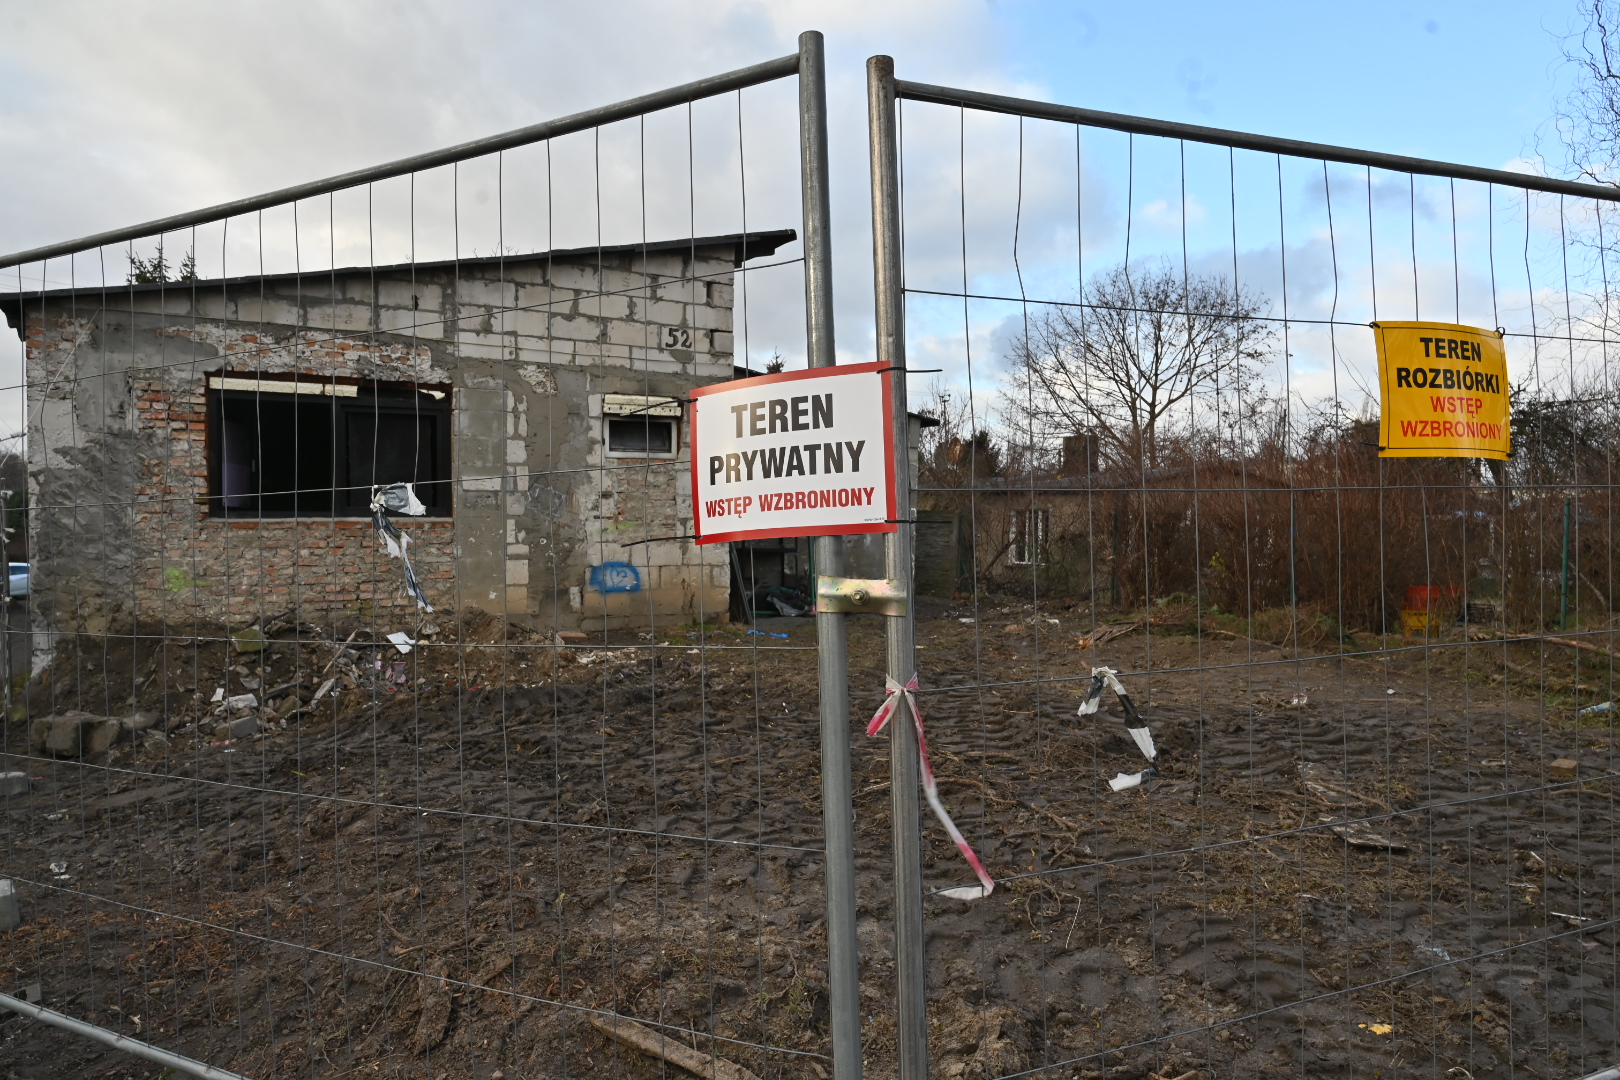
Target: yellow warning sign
[{"x": 1444, "y": 391}]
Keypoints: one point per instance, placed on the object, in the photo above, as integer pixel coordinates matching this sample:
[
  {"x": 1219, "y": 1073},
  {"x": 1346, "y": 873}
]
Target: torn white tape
[
  {"x": 1128, "y": 780},
  {"x": 1144, "y": 742},
  {"x": 895, "y": 695},
  {"x": 1102, "y": 678},
  {"x": 402, "y": 641},
  {"x": 400, "y": 499}
]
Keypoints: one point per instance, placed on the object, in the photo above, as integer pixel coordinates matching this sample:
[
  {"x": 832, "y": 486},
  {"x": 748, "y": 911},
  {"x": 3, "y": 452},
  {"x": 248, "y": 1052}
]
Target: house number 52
[{"x": 677, "y": 337}]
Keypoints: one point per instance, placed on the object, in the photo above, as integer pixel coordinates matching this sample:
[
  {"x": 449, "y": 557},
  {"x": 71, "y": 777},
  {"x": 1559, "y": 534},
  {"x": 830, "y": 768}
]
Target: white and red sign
[{"x": 799, "y": 453}]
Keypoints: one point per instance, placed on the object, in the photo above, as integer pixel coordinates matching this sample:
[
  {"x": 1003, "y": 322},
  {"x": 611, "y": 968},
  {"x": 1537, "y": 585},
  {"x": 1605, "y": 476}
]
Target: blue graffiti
[{"x": 615, "y": 577}]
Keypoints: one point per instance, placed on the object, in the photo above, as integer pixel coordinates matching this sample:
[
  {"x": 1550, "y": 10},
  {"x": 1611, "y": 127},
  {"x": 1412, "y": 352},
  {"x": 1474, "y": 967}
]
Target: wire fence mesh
[
  {"x": 1379, "y": 837},
  {"x": 370, "y": 708}
]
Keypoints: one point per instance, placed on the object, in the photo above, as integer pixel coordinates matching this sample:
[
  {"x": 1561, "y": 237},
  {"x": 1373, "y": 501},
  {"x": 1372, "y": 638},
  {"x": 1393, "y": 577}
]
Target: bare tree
[
  {"x": 1587, "y": 120},
  {"x": 1142, "y": 342}
]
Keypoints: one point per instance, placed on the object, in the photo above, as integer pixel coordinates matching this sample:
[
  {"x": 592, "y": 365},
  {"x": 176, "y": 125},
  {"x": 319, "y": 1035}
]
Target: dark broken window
[
  {"x": 640, "y": 435},
  {"x": 285, "y": 448}
]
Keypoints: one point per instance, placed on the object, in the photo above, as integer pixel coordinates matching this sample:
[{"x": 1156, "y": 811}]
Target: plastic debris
[
  {"x": 766, "y": 633},
  {"x": 398, "y": 499},
  {"x": 1379, "y": 1029},
  {"x": 1600, "y": 707},
  {"x": 402, "y": 641},
  {"x": 1130, "y": 780},
  {"x": 242, "y": 701}
]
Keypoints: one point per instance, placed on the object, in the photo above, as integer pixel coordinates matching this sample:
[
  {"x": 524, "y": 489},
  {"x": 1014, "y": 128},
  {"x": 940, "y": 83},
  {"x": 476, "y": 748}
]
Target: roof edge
[{"x": 745, "y": 246}]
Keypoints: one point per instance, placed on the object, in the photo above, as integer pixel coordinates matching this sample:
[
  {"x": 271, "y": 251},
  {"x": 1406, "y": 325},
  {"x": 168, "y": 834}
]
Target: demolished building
[{"x": 210, "y": 450}]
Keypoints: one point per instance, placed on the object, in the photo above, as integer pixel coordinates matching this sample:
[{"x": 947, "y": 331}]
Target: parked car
[{"x": 19, "y": 579}]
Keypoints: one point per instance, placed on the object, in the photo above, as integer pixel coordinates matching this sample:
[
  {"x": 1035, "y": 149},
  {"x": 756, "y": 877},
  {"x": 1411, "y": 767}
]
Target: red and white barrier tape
[{"x": 880, "y": 720}]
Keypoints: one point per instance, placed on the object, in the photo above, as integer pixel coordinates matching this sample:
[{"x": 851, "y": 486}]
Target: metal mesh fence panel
[
  {"x": 370, "y": 708},
  {"x": 1346, "y": 807}
]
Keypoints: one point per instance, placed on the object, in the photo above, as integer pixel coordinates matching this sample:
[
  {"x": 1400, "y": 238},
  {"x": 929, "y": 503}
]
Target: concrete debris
[
  {"x": 250, "y": 640},
  {"x": 15, "y": 783},
  {"x": 1360, "y": 836},
  {"x": 10, "y": 914},
  {"x": 73, "y": 734},
  {"x": 240, "y": 728},
  {"x": 241, "y": 701},
  {"x": 1563, "y": 769}
]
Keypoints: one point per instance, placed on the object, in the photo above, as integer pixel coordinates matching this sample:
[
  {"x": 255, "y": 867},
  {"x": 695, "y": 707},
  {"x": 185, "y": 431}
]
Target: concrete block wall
[{"x": 119, "y": 442}]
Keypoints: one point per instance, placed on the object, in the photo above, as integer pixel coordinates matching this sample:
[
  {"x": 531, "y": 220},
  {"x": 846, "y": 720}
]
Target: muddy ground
[{"x": 408, "y": 879}]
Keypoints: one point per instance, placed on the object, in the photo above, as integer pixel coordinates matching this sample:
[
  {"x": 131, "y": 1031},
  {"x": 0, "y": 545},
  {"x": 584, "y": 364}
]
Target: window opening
[
  {"x": 640, "y": 435},
  {"x": 1028, "y": 537},
  {"x": 285, "y": 449}
]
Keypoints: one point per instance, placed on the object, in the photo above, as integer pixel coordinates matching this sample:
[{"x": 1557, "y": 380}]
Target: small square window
[{"x": 639, "y": 435}]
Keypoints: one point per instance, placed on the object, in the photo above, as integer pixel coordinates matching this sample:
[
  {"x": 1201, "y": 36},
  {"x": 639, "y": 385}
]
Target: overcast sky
[{"x": 111, "y": 113}]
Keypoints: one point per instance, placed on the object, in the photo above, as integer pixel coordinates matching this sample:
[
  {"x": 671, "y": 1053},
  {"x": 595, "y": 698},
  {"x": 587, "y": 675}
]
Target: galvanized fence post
[
  {"x": 911, "y": 1033},
  {"x": 837, "y": 800}
]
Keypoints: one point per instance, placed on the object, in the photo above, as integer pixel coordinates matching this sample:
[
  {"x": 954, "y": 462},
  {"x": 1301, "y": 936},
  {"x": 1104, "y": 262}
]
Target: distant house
[
  {"x": 211, "y": 449},
  {"x": 1079, "y": 531}
]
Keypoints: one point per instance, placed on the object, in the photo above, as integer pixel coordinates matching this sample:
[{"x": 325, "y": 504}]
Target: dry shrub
[{"x": 1308, "y": 517}]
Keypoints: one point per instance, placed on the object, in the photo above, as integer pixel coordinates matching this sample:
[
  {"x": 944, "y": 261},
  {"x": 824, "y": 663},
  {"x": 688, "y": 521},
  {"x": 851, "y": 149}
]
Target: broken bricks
[{"x": 76, "y": 734}]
